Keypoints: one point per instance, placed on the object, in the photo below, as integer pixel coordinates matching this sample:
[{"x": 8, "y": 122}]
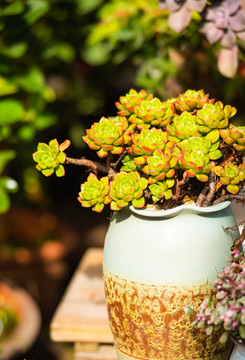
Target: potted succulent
[
  {"x": 169, "y": 170},
  {"x": 225, "y": 311}
]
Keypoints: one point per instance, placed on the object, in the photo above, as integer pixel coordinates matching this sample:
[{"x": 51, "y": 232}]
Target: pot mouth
[{"x": 180, "y": 209}]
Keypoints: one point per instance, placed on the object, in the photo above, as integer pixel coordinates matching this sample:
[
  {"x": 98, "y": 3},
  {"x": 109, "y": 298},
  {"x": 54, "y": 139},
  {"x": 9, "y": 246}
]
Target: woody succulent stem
[
  {"x": 179, "y": 187},
  {"x": 230, "y": 197},
  {"x": 91, "y": 165},
  {"x": 212, "y": 188}
]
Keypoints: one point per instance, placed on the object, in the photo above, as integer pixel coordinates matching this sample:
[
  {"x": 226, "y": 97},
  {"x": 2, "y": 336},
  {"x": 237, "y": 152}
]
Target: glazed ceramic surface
[{"x": 155, "y": 263}]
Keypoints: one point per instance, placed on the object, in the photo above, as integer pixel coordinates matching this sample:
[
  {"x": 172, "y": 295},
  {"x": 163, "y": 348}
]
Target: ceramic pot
[
  {"x": 238, "y": 352},
  {"x": 155, "y": 263}
]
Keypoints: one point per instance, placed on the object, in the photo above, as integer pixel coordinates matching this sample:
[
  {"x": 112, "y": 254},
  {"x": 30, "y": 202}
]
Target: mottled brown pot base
[{"x": 148, "y": 322}]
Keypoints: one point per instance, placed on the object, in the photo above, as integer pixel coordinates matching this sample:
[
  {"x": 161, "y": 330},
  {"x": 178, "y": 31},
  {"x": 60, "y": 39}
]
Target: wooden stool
[{"x": 81, "y": 316}]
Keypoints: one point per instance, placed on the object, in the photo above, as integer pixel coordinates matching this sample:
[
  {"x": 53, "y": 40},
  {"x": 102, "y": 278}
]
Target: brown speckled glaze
[{"x": 148, "y": 321}]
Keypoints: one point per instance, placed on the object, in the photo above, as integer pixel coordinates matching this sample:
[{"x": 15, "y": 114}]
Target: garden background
[{"x": 63, "y": 64}]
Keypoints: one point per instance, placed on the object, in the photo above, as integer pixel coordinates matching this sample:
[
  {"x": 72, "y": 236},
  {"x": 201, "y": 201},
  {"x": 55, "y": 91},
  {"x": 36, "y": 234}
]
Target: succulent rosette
[
  {"x": 50, "y": 157},
  {"x": 196, "y": 164},
  {"x": 127, "y": 103},
  {"x": 203, "y": 145},
  {"x": 161, "y": 190},
  {"x": 231, "y": 175},
  {"x": 235, "y": 136},
  {"x": 160, "y": 165},
  {"x": 106, "y": 136},
  {"x": 183, "y": 127},
  {"x": 152, "y": 112},
  {"x": 191, "y": 100},
  {"x": 144, "y": 144},
  {"x": 129, "y": 164},
  {"x": 94, "y": 193},
  {"x": 122, "y": 120},
  {"x": 127, "y": 187},
  {"x": 214, "y": 116}
]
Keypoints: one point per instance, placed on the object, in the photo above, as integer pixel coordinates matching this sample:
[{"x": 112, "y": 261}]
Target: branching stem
[
  {"x": 212, "y": 188},
  {"x": 91, "y": 165},
  {"x": 239, "y": 198}
]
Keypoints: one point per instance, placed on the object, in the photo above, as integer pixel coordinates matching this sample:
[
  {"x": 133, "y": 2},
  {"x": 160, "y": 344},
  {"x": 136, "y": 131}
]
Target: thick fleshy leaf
[
  {"x": 215, "y": 155},
  {"x": 47, "y": 172},
  {"x": 202, "y": 177},
  {"x": 179, "y": 20},
  {"x": 98, "y": 207},
  {"x": 233, "y": 189},
  {"x": 228, "y": 61},
  {"x": 138, "y": 203},
  {"x": 60, "y": 171},
  {"x": 213, "y": 135}
]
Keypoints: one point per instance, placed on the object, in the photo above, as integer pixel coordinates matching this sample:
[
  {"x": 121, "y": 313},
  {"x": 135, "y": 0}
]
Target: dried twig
[
  {"x": 239, "y": 198},
  {"x": 91, "y": 165},
  {"x": 179, "y": 184},
  {"x": 202, "y": 196},
  {"x": 212, "y": 188},
  {"x": 239, "y": 241}
]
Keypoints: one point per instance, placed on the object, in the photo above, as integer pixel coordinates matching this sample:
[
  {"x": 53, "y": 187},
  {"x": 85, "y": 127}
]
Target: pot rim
[{"x": 180, "y": 209}]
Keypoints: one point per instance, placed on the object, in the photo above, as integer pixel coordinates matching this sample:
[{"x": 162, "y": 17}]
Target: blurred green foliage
[{"x": 62, "y": 61}]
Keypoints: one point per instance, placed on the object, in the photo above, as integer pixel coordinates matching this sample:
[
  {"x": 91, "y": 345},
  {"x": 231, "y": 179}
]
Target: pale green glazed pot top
[
  {"x": 182, "y": 208},
  {"x": 186, "y": 245}
]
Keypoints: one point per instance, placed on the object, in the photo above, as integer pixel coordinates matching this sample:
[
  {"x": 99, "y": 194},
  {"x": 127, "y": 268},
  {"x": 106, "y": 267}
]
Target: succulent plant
[
  {"x": 231, "y": 175},
  {"x": 162, "y": 149},
  {"x": 202, "y": 144},
  {"x": 224, "y": 21},
  {"x": 227, "y": 310},
  {"x": 144, "y": 144},
  {"x": 95, "y": 193},
  {"x": 160, "y": 165},
  {"x": 180, "y": 11},
  {"x": 235, "y": 136},
  {"x": 126, "y": 188},
  {"x": 107, "y": 136},
  {"x": 183, "y": 127},
  {"x": 161, "y": 190},
  {"x": 196, "y": 164},
  {"x": 152, "y": 113},
  {"x": 127, "y": 103},
  {"x": 192, "y": 100},
  {"x": 214, "y": 116},
  {"x": 50, "y": 157}
]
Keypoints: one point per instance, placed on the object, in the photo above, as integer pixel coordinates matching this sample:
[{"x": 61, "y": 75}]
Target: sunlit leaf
[
  {"x": 10, "y": 111},
  {"x": 35, "y": 10},
  {"x": 87, "y": 6},
  {"x": 33, "y": 81},
  {"x": 4, "y": 201},
  {"x": 13, "y": 8},
  {"x": 7, "y": 87},
  {"x": 15, "y": 50},
  {"x": 9, "y": 184}
]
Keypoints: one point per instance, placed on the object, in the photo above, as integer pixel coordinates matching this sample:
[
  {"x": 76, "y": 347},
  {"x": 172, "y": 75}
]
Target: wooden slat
[
  {"x": 103, "y": 352},
  {"x": 81, "y": 315}
]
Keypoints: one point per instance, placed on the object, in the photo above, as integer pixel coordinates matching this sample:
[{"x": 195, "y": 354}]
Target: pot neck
[{"x": 180, "y": 209}]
